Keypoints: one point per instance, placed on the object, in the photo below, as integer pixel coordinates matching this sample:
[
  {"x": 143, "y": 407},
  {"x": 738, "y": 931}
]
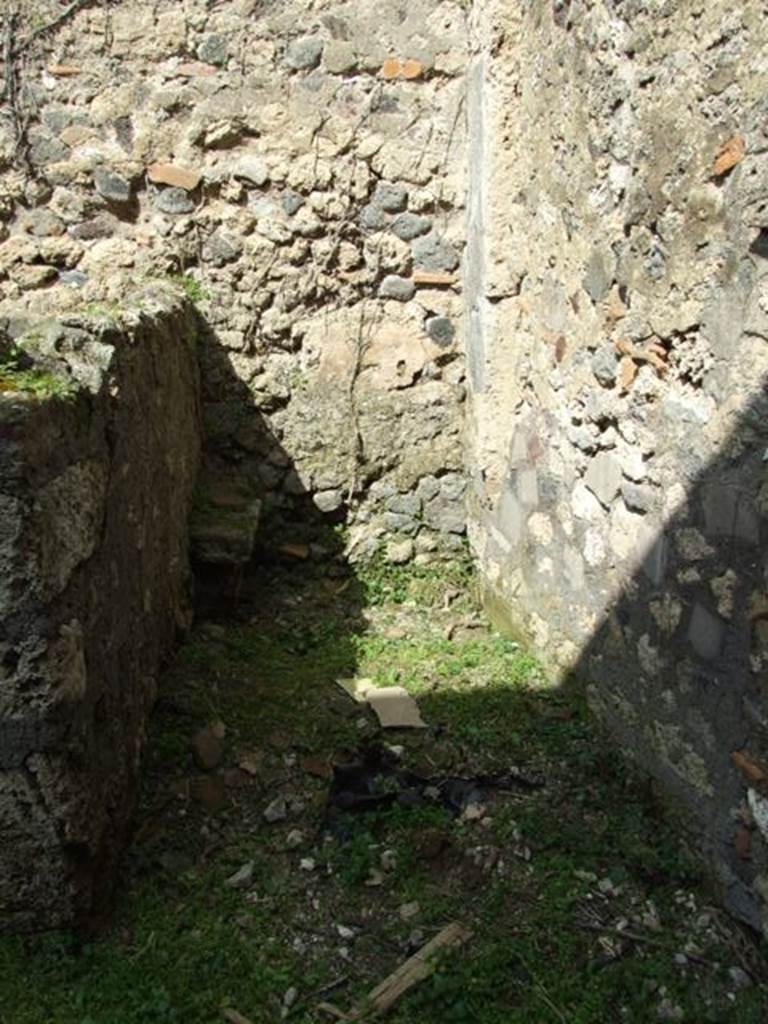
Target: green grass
[
  {"x": 192, "y": 288},
  {"x": 19, "y": 379},
  {"x": 527, "y": 880},
  {"x": 109, "y": 311}
]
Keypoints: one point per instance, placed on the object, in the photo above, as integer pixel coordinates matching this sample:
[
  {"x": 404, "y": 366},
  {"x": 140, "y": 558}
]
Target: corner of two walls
[
  {"x": 618, "y": 349},
  {"x": 300, "y": 175},
  {"x": 306, "y": 168}
]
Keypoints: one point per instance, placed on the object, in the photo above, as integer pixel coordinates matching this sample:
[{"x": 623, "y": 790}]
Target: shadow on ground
[
  {"x": 236, "y": 895},
  {"x": 583, "y": 907}
]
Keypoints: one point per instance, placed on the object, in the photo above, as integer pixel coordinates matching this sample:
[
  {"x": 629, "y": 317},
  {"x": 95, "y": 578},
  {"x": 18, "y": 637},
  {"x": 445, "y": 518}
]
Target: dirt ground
[{"x": 290, "y": 853}]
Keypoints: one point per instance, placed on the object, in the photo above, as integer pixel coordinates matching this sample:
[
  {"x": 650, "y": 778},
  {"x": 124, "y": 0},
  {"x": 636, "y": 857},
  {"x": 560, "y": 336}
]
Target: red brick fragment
[
  {"x": 410, "y": 69},
  {"x": 172, "y": 174},
  {"x": 728, "y": 155},
  {"x": 64, "y": 70}
]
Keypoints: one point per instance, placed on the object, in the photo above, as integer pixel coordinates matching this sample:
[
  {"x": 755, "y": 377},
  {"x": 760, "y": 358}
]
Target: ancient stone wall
[
  {"x": 303, "y": 163},
  {"x": 311, "y": 173},
  {"x": 617, "y": 332},
  {"x": 99, "y": 442}
]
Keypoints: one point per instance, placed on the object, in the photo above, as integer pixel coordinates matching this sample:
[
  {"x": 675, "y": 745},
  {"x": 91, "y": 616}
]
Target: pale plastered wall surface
[{"x": 617, "y": 331}]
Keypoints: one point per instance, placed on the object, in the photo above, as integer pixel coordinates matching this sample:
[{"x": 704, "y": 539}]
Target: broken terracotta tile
[
  {"x": 728, "y": 155},
  {"x": 742, "y": 843},
  {"x": 411, "y": 69},
  {"x": 251, "y": 761},
  {"x": 207, "y": 748},
  {"x": 193, "y": 69},
  {"x": 64, "y": 70},
  {"x": 318, "y": 766},
  {"x": 172, "y": 174},
  {"x": 436, "y": 278},
  {"x": 390, "y": 68},
  {"x": 751, "y": 771},
  {"x": 300, "y": 551},
  {"x": 627, "y": 373}
]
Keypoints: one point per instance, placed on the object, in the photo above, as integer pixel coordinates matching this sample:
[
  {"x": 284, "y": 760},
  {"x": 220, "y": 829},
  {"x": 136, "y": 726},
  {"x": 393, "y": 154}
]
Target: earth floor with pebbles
[{"x": 251, "y": 889}]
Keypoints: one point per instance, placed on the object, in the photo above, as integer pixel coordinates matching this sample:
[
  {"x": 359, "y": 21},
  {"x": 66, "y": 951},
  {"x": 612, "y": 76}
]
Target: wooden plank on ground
[
  {"x": 415, "y": 969},
  {"x": 234, "y": 1017},
  {"x": 418, "y": 967}
]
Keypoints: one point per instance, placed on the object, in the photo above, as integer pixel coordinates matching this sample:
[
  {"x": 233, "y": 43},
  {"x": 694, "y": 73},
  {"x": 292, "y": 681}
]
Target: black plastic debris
[{"x": 374, "y": 779}]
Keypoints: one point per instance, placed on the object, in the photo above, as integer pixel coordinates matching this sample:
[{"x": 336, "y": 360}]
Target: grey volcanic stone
[
  {"x": 174, "y": 201},
  {"x": 726, "y": 514},
  {"x": 395, "y": 287},
  {"x": 706, "y": 632},
  {"x": 432, "y": 252},
  {"x": 291, "y": 202},
  {"x": 111, "y": 186},
  {"x": 603, "y": 477},
  {"x": 441, "y": 331},
  {"x": 373, "y": 218},
  {"x": 102, "y": 226},
  {"x": 637, "y": 498},
  {"x": 304, "y": 54},
  {"x": 214, "y": 49},
  {"x": 46, "y": 149},
  {"x": 605, "y": 365},
  {"x": 405, "y": 504},
  {"x": 339, "y": 57},
  {"x": 453, "y": 486},
  {"x": 410, "y": 225},
  {"x": 220, "y": 249},
  {"x": 390, "y": 197},
  {"x": 328, "y": 501},
  {"x": 396, "y": 522},
  {"x": 597, "y": 280},
  {"x": 252, "y": 169},
  {"x": 445, "y": 515}
]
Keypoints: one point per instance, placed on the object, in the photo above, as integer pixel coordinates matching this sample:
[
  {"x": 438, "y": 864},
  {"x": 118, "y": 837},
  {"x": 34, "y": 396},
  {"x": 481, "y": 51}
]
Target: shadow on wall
[
  {"x": 677, "y": 666},
  {"x": 251, "y": 503}
]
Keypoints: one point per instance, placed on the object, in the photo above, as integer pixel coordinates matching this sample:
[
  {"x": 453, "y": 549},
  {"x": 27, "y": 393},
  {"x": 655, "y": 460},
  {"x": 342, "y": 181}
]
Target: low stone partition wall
[{"x": 99, "y": 446}]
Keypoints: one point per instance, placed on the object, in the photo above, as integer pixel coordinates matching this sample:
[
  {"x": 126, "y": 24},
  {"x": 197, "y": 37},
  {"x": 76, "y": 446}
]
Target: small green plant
[
  {"x": 17, "y": 378},
  {"x": 191, "y": 287},
  {"x": 428, "y": 585},
  {"x": 104, "y": 311}
]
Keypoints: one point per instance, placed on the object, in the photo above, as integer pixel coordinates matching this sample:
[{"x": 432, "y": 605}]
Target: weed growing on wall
[{"x": 17, "y": 378}]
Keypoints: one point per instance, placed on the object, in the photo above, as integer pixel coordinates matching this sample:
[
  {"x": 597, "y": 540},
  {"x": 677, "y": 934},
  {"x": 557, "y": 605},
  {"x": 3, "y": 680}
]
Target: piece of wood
[
  {"x": 234, "y": 1017},
  {"x": 410, "y": 973},
  {"x": 334, "y": 1011},
  {"x": 414, "y": 970},
  {"x": 395, "y": 708}
]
